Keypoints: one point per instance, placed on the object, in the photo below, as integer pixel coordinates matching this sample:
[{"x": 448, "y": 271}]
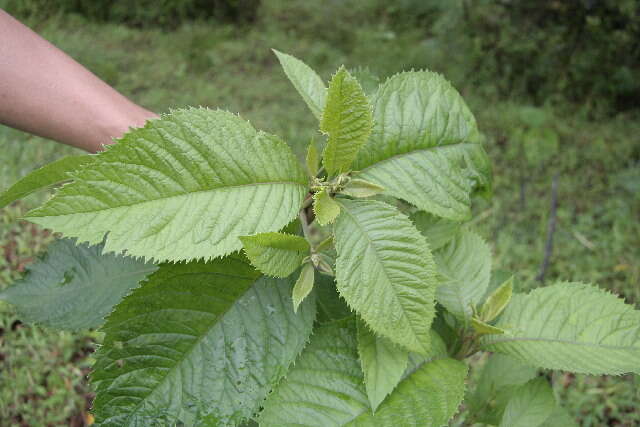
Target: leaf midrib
[
  {"x": 395, "y": 296},
  {"x": 562, "y": 341},
  {"x": 409, "y": 153},
  {"x": 34, "y": 213}
]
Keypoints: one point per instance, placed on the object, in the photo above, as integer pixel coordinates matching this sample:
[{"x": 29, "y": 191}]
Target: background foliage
[{"x": 554, "y": 87}]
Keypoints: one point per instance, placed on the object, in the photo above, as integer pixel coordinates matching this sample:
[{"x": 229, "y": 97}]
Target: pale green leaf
[
  {"x": 74, "y": 287},
  {"x": 497, "y": 301},
  {"x": 185, "y": 186},
  {"x": 499, "y": 379},
  {"x": 483, "y": 328},
  {"x": 530, "y": 406},
  {"x": 303, "y": 285},
  {"x": 347, "y": 120},
  {"x": 438, "y": 231},
  {"x": 325, "y": 388},
  {"x": 275, "y": 254},
  {"x": 198, "y": 344},
  {"x": 383, "y": 364},
  {"x": 429, "y": 397},
  {"x": 325, "y": 207},
  {"x": 465, "y": 269},
  {"x": 424, "y": 146},
  {"x": 48, "y": 175},
  {"x": 570, "y": 326},
  {"x": 360, "y": 188},
  {"x": 385, "y": 272},
  {"x": 308, "y": 84},
  {"x": 560, "y": 417},
  {"x": 312, "y": 159}
]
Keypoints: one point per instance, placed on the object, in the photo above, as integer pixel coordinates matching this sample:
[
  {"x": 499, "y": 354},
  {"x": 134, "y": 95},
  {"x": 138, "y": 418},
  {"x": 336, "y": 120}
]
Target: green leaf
[
  {"x": 46, "y": 176},
  {"x": 560, "y": 417},
  {"x": 275, "y": 254},
  {"x": 429, "y": 397},
  {"x": 383, "y": 364},
  {"x": 570, "y": 326},
  {"x": 325, "y": 207},
  {"x": 497, "y": 301},
  {"x": 483, "y": 328},
  {"x": 303, "y": 285},
  {"x": 74, "y": 287},
  {"x": 360, "y": 188},
  {"x": 438, "y": 231},
  {"x": 499, "y": 379},
  {"x": 465, "y": 268},
  {"x": 330, "y": 305},
  {"x": 385, "y": 272},
  {"x": 198, "y": 344},
  {"x": 185, "y": 186},
  {"x": 530, "y": 405},
  {"x": 347, "y": 120},
  {"x": 325, "y": 388},
  {"x": 313, "y": 159},
  {"x": 308, "y": 84},
  {"x": 424, "y": 146}
]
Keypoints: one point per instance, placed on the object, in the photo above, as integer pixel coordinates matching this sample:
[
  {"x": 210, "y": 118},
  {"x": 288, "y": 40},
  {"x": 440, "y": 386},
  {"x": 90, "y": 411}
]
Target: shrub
[{"x": 214, "y": 255}]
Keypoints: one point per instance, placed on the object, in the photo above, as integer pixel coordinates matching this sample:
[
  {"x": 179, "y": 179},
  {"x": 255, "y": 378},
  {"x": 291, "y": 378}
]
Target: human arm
[{"x": 45, "y": 92}]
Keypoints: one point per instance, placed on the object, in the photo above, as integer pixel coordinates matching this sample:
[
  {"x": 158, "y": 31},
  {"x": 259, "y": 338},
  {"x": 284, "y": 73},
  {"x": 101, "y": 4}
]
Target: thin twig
[{"x": 551, "y": 229}]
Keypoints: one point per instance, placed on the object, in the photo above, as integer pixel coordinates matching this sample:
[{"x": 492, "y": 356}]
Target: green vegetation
[{"x": 594, "y": 152}]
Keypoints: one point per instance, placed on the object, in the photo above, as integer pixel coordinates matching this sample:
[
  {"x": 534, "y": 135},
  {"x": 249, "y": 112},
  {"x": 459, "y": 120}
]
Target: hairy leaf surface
[
  {"x": 325, "y": 388},
  {"x": 185, "y": 186},
  {"x": 385, "y": 272},
  {"x": 424, "y": 145},
  {"x": 199, "y": 343},
  {"x": 325, "y": 207},
  {"x": 465, "y": 268},
  {"x": 48, "y": 175},
  {"x": 275, "y": 254},
  {"x": 570, "y": 326},
  {"x": 347, "y": 120},
  {"x": 383, "y": 364},
  {"x": 308, "y": 84},
  {"x": 530, "y": 406},
  {"x": 74, "y": 287}
]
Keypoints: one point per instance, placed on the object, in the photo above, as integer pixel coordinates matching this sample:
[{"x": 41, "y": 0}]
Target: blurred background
[{"x": 555, "y": 87}]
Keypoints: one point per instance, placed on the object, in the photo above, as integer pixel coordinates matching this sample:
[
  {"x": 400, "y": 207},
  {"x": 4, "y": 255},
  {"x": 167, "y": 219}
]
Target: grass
[{"x": 597, "y": 164}]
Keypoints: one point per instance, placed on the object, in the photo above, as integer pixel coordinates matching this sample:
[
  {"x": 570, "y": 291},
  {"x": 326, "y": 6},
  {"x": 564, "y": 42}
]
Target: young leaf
[
  {"x": 303, "y": 285},
  {"x": 185, "y": 186},
  {"x": 497, "y": 301},
  {"x": 483, "y": 328},
  {"x": 275, "y": 254},
  {"x": 325, "y": 207},
  {"x": 424, "y": 146},
  {"x": 465, "y": 267},
  {"x": 438, "y": 231},
  {"x": 383, "y": 364},
  {"x": 347, "y": 120},
  {"x": 74, "y": 287},
  {"x": 313, "y": 159},
  {"x": 325, "y": 388},
  {"x": 198, "y": 344},
  {"x": 385, "y": 272},
  {"x": 499, "y": 379},
  {"x": 360, "y": 188},
  {"x": 46, "y": 176},
  {"x": 308, "y": 84},
  {"x": 530, "y": 406},
  {"x": 570, "y": 326}
]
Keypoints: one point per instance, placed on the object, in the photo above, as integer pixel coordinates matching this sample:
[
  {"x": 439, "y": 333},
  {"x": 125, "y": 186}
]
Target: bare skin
[{"x": 45, "y": 92}]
